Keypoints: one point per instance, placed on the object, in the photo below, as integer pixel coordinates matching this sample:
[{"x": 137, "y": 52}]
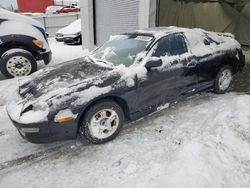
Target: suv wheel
[
  {"x": 223, "y": 80},
  {"x": 17, "y": 62},
  {"x": 102, "y": 122}
]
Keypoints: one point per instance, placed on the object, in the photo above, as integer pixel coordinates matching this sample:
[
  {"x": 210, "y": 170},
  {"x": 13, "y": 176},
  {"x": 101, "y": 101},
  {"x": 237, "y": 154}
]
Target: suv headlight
[{"x": 78, "y": 34}]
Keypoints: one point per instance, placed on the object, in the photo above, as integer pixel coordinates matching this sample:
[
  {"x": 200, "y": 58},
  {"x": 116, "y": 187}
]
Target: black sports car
[{"x": 130, "y": 76}]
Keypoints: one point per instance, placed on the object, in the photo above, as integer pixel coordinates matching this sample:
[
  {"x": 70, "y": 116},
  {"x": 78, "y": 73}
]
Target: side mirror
[{"x": 153, "y": 63}]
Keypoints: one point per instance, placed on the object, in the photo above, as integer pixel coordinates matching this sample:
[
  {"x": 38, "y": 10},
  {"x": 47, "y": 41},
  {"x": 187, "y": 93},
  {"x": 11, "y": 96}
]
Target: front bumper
[
  {"x": 72, "y": 40},
  {"x": 45, "y": 56},
  {"x": 46, "y": 131},
  {"x": 42, "y": 136},
  {"x": 59, "y": 39}
]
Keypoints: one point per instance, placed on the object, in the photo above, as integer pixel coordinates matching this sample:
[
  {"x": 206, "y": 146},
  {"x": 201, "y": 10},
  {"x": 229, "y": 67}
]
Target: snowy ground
[{"x": 203, "y": 141}]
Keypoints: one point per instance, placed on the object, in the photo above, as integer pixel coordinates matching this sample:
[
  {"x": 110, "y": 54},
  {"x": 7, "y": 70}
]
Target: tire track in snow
[
  {"x": 35, "y": 157},
  {"x": 67, "y": 149}
]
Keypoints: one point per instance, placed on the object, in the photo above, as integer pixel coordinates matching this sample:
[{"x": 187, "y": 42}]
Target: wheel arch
[
  {"x": 11, "y": 45},
  {"x": 121, "y": 102},
  {"x": 230, "y": 60}
]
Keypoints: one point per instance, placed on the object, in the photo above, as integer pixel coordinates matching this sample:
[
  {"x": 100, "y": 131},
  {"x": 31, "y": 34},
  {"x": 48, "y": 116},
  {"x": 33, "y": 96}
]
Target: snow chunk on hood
[
  {"x": 39, "y": 112},
  {"x": 90, "y": 93}
]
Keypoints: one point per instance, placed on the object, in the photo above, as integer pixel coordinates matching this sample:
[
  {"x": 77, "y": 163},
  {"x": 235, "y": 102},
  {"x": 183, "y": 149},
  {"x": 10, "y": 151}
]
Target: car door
[
  {"x": 178, "y": 74},
  {"x": 208, "y": 63}
]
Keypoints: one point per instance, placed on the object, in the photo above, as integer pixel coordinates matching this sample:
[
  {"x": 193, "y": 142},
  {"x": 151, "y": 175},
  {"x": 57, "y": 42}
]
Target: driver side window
[{"x": 170, "y": 45}]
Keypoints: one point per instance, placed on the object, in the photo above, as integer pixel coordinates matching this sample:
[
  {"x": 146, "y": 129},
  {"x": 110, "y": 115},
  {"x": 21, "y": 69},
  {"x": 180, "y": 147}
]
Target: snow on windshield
[{"x": 122, "y": 50}]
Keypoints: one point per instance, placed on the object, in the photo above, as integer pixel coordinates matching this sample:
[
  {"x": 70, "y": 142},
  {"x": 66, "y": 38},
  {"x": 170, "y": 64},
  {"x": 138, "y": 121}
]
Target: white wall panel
[{"x": 115, "y": 17}]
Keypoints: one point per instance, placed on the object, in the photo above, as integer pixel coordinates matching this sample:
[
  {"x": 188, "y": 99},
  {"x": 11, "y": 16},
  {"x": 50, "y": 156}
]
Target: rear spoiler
[{"x": 229, "y": 35}]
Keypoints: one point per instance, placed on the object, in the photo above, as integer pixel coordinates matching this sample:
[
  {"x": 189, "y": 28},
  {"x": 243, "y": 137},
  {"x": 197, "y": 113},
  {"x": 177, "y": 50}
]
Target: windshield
[{"x": 122, "y": 49}]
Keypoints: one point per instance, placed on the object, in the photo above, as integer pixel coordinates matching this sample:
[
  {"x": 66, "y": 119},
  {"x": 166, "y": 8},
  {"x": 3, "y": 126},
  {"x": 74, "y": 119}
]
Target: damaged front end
[
  {"x": 36, "y": 122},
  {"x": 30, "y": 120}
]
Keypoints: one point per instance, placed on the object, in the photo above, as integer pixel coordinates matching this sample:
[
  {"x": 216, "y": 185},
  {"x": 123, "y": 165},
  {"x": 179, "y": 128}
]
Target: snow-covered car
[
  {"x": 52, "y": 9},
  {"x": 129, "y": 77},
  {"x": 23, "y": 42},
  {"x": 70, "y": 34}
]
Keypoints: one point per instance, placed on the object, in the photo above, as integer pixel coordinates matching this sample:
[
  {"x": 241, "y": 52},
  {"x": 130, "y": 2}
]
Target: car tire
[
  {"x": 102, "y": 122},
  {"x": 17, "y": 62},
  {"x": 223, "y": 80}
]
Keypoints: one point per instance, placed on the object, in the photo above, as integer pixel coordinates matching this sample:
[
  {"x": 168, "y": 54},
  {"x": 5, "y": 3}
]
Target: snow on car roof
[
  {"x": 158, "y": 32},
  {"x": 217, "y": 41}
]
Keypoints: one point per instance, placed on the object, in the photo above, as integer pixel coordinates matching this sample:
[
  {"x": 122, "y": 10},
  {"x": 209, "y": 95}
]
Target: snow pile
[
  {"x": 203, "y": 43},
  {"x": 4, "y": 14},
  {"x": 62, "y": 53},
  {"x": 89, "y": 94},
  {"x": 201, "y": 142},
  {"x": 8, "y": 91}
]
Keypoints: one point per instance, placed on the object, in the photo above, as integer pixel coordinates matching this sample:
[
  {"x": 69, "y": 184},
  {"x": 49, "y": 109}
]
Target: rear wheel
[
  {"x": 17, "y": 62},
  {"x": 102, "y": 122},
  {"x": 223, "y": 80}
]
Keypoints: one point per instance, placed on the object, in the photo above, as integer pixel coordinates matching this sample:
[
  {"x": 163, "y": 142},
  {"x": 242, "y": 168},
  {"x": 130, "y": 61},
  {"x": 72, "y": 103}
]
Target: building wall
[
  {"x": 54, "y": 22},
  {"x": 112, "y": 17},
  {"x": 33, "y": 5}
]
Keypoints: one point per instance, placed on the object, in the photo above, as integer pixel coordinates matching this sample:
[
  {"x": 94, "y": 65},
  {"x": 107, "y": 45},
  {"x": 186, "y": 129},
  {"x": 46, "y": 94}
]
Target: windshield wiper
[{"x": 90, "y": 59}]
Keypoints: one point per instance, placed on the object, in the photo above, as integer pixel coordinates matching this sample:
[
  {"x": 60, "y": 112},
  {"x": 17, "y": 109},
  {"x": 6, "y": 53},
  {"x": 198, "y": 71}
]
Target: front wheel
[
  {"x": 102, "y": 122},
  {"x": 223, "y": 80},
  {"x": 17, "y": 62}
]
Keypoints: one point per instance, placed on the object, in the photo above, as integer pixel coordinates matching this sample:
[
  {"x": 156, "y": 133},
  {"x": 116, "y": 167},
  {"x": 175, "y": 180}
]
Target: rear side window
[{"x": 171, "y": 45}]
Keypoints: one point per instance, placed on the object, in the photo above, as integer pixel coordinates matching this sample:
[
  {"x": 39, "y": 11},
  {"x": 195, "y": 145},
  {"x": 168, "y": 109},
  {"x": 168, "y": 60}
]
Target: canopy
[{"x": 214, "y": 15}]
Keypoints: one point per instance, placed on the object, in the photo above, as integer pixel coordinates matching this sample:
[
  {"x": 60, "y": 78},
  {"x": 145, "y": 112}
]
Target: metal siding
[
  {"x": 115, "y": 17},
  {"x": 53, "y": 23}
]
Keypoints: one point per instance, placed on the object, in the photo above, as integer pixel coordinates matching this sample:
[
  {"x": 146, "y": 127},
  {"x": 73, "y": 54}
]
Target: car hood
[
  {"x": 65, "y": 78},
  {"x": 4, "y": 14},
  {"x": 71, "y": 29}
]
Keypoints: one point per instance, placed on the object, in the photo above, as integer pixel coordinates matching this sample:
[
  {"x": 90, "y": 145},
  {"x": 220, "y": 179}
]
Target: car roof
[{"x": 158, "y": 31}]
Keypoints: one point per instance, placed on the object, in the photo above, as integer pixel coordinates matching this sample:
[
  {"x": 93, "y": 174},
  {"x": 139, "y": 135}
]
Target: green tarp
[{"x": 221, "y": 16}]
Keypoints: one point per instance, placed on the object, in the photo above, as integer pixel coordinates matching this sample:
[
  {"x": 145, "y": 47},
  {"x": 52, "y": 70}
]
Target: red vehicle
[{"x": 68, "y": 9}]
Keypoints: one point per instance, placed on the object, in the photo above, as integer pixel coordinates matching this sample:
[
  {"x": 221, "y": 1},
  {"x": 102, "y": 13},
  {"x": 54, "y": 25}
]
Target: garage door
[{"x": 115, "y": 17}]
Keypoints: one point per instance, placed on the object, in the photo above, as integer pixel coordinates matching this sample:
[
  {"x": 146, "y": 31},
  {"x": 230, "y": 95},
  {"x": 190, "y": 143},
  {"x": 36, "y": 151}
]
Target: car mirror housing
[{"x": 153, "y": 63}]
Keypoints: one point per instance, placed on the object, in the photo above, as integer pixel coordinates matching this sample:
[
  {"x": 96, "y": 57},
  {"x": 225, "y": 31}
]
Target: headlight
[
  {"x": 78, "y": 34},
  {"x": 65, "y": 116},
  {"x": 38, "y": 43},
  {"x": 59, "y": 35}
]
